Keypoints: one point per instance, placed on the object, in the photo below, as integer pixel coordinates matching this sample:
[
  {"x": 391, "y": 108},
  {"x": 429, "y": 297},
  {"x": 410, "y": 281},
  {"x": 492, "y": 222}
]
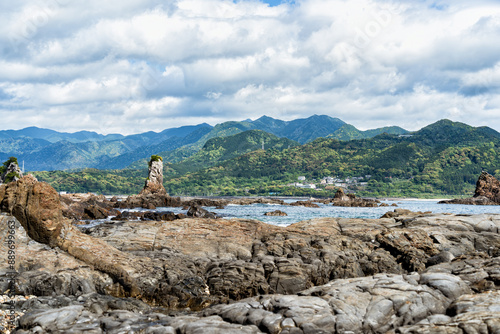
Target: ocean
[{"x": 297, "y": 213}]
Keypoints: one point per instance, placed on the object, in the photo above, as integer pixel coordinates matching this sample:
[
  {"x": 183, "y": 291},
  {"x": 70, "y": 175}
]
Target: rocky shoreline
[{"x": 406, "y": 272}]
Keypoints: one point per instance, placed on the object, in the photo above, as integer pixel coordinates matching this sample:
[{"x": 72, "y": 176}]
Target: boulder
[
  {"x": 276, "y": 213},
  {"x": 350, "y": 200},
  {"x": 87, "y": 206},
  {"x": 307, "y": 204},
  {"x": 198, "y": 212}
]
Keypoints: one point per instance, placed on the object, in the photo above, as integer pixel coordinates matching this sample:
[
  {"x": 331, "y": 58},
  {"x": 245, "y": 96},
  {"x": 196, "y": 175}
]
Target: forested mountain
[
  {"x": 349, "y": 132},
  {"x": 444, "y": 158},
  {"x": 220, "y": 149},
  {"x": 99, "y": 152},
  {"x": 55, "y": 136},
  {"x": 43, "y": 149}
]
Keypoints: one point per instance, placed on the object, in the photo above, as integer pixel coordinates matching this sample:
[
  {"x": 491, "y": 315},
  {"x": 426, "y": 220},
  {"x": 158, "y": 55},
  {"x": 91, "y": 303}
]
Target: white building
[{"x": 301, "y": 178}]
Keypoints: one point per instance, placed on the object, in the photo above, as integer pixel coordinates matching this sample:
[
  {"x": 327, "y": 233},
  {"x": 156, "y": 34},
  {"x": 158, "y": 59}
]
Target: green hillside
[
  {"x": 444, "y": 158},
  {"x": 220, "y": 149},
  {"x": 301, "y": 130},
  {"x": 349, "y": 132}
]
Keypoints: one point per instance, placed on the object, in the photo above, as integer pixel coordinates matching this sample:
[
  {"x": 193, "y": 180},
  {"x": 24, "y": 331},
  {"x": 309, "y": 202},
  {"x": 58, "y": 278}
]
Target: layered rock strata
[{"x": 404, "y": 273}]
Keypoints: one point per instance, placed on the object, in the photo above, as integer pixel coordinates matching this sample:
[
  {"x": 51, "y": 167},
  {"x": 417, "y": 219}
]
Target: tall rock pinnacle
[
  {"x": 10, "y": 171},
  {"x": 154, "y": 182}
]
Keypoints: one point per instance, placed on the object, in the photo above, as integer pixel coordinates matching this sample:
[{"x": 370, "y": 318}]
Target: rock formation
[
  {"x": 318, "y": 276},
  {"x": 408, "y": 273},
  {"x": 350, "y": 200},
  {"x": 154, "y": 182},
  {"x": 36, "y": 205},
  {"x": 487, "y": 192},
  {"x": 488, "y": 186},
  {"x": 11, "y": 171},
  {"x": 276, "y": 213}
]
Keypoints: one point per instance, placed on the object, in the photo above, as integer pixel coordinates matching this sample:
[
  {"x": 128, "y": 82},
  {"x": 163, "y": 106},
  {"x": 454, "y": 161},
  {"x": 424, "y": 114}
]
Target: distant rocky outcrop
[
  {"x": 10, "y": 171},
  {"x": 350, "y": 200},
  {"x": 487, "y": 192},
  {"x": 153, "y": 194},
  {"x": 154, "y": 182},
  {"x": 488, "y": 186},
  {"x": 276, "y": 213}
]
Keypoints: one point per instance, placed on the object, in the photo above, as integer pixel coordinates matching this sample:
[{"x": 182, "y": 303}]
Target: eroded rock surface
[
  {"x": 487, "y": 192},
  {"x": 154, "y": 182},
  {"x": 406, "y": 272}
]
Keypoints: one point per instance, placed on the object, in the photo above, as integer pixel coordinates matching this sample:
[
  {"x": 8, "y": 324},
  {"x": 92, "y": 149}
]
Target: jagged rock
[
  {"x": 87, "y": 206},
  {"x": 307, "y": 204},
  {"x": 350, "y": 200},
  {"x": 376, "y": 304},
  {"x": 257, "y": 200},
  {"x": 468, "y": 314},
  {"x": 37, "y": 207},
  {"x": 487, "y": 192},
  {"x": 404, "y": 213},
  {"x": 154, "y": 182},
  {"x": 149, "y": 201},
  {"x": 488, "y": 186},
  {"x": 199, "y": 212},
  {"x": 12, "y": 169},
  {"x": 340, "y": 195},
  {"x": 276, "y": 213},
  {"x": 153, "y": 194}
]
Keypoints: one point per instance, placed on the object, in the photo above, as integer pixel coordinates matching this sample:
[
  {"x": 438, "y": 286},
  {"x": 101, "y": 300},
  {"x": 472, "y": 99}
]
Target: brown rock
[
  {"x": 307, "y": 204},
  {"x": 488, "y": 186},
  {"x": 487, "y": 192},
  {"x": 198, "y": 212},
  {"x": 154, "y": 182},
  {"x": 350, "y": 200},
  {"x": 276, "y": 213},
  {"x": 37, "y": 207},
  {"x": 340, "y": 195}
]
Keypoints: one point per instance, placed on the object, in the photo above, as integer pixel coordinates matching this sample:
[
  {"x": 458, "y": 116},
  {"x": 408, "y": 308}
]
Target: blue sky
[{"x": 132, "y": 66}]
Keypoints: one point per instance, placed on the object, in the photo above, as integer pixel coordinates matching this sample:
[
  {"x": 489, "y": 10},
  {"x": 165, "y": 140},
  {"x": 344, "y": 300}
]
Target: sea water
[{"x": 298, "y": 213}]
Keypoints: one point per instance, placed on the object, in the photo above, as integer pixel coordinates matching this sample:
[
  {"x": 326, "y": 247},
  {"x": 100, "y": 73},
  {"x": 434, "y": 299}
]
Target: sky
[{"x": 131, "y": 66}]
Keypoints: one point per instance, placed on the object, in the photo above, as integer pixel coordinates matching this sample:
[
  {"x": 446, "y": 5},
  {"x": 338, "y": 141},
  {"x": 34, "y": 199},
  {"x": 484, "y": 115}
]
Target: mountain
[
  {"x": 301, "y": 130},
  {"x": 443, "y": 158},
  {"x": 141, "y": 155},
  {"x": 44, "y": 149},
  {"x": 55, "y": 136},
  {"x": 349, "y": 132},
  {"x": 306, "y": 130},
  {"x": 98, "y": 151},
  {"x": 220, "y": 149},
  {"x": 446, "y": 132}
]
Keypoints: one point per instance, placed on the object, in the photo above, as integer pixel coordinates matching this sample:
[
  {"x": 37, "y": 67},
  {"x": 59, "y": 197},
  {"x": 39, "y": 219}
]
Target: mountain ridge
[{"x": 177, "y": 144}]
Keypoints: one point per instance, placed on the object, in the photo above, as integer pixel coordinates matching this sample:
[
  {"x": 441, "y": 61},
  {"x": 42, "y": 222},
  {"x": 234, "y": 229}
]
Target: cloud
[{"x": 138, "y": 65}]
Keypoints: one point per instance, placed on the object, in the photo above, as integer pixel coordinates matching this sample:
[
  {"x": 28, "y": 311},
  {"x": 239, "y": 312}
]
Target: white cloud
[{"x": 138, "y": 65}]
